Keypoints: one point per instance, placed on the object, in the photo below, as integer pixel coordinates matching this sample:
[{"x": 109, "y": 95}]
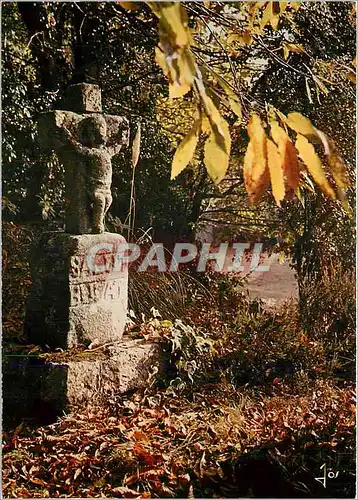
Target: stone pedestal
[
  {"x": 41, "y": 389},
  {"x": 79, "y": 291}
]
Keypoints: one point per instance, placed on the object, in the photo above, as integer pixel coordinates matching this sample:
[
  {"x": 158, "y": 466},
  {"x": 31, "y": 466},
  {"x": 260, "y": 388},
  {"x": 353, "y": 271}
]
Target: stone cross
[
  {"x": 79, "y": 290},
  {"x": 85, "y": 141}
]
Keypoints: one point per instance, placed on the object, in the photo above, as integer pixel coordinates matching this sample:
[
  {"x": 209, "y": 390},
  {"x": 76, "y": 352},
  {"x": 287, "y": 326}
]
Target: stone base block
[
  {"x": 32, "y": 385},
  {"x": 79, "y": 291}
]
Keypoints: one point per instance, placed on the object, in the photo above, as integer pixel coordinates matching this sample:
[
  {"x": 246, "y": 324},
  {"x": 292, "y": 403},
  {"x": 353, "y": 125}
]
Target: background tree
[{"x": 249, "y": 54}]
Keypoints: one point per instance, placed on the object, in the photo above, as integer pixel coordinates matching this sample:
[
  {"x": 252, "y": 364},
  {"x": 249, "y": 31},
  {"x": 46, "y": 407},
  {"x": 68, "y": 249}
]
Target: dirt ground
[{"x": 275, "y": 285}]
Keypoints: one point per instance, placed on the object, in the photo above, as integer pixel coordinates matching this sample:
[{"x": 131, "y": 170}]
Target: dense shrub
[{"x": 328, "y": 315}]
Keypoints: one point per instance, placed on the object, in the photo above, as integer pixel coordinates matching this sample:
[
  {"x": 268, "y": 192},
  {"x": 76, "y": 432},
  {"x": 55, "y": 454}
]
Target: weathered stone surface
[
  {"x": 83, "y": 97},
  {"x": 79, "y": 290},
  {"x": 85, "y": 144},
  {"x": 129, "y": 367},
  {"x": 32, "y": 385}
]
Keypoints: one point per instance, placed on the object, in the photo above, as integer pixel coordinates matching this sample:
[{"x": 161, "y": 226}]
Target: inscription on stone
[
  {"x": 92, "y": 292},
  {"x": 96, "y": 264}
]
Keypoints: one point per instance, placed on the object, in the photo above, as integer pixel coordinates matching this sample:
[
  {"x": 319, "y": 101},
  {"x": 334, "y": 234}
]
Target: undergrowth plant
[{"x": 328, "y": 317}]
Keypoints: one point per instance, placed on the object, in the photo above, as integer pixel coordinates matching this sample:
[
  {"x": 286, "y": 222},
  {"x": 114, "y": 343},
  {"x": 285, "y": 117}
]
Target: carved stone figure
[
  {"x": 98, "y": 167},
  {"x": 85, "y": 144}
]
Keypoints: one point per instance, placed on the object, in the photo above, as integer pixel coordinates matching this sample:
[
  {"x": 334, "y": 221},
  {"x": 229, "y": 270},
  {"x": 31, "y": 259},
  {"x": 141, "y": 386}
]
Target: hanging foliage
[{"x": 270, "y": 158}]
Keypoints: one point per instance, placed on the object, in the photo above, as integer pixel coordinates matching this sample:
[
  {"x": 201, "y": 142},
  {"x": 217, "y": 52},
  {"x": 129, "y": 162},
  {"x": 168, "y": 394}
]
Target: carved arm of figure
[
  {"x": 118, "y": 135},
  {"x": 69, "y": 138},
  {"x": 114, "y": 149}
]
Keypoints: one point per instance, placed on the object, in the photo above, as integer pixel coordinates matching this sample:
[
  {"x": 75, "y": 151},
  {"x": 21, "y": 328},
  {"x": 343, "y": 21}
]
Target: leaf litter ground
[{"x": 239, "y": 425}]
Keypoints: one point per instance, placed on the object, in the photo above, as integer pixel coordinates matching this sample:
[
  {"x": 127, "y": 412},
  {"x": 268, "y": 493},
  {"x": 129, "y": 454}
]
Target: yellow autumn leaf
[
  {"x": 266, "y": 16},
  {"x": 210, "y": 109},
  {"x": 352, "y": 77},
  {"x": 205, "y": 125},
  {"x": 178, "y": 90},
  {"x": 214, "y": 117},
  {"x": 295, "y": 47},
  {"x": 180, "y": 71},
  {"x": 245, "y": 36},
  {"x": 283, "y": 6},
  {"x": 295, "y": 5},
  {"x": 334, "y": 160},
  {"x": 258, "y": 138},
  {"x": 254, "y": 189},
  {"x": 232, "y": 37},
  {"x": 235, "y": 105},
  {"x": 129, "y": 5},
  {"x": 173, "y": 52},
  {"x": 314, "y": 166},
  {"x": 186, "y": 66},
  {"x": 307, "y": 182},
  {"x": 281, "y": 116},
  {"x": 166, "y": 323},
  {"x": 161, "y": 60},
  {"x": 186, "y": 149},
  {"x": 173, "y": 22},
  {"x": 248, "y": 164},
  {"x": 271, "y": 15},
  {"x": 336, "y": 163},
  {"x": 155, "y": 7},
  {"x": 291, "y": 47},
  {"x": 276, "y": 172},
  {"x": 234, "y": 100},
  {"x": 286, "y": 52},
  {"x": 300, "y": 124},
  {"x": 253, "y": 7},
  {"x": 217, "y": 152},
  {"x": 338, "y": 168},
  {"x": 257, "y": 177},
  {"x": 288, "y": 154}
]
